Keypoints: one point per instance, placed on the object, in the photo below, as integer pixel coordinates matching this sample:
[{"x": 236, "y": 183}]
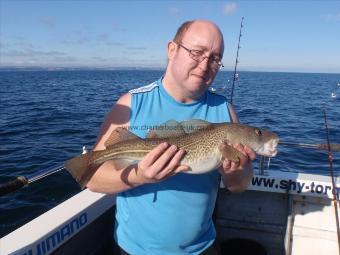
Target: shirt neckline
[{"x": 174, "y": 101}]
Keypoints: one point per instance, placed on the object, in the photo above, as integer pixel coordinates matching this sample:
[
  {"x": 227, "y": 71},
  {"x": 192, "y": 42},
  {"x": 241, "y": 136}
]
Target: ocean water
[{"x": 47, "y": 116}]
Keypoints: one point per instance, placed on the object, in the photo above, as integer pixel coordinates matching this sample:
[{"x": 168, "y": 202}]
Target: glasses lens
[
  {"x": 216, "y": 64},
  {"x": 196, "y": 55}
]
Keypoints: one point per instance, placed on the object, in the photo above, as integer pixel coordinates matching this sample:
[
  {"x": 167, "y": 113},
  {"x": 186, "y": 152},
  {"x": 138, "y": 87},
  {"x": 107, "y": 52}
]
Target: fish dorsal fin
[
  {"x": 171, "y": 128},
  {"x": 118, "y": 135},
  {"x": 194, "y": 125}
]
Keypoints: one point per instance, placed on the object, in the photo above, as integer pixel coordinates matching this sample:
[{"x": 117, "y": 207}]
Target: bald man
[{"x": 160, "y": 209}]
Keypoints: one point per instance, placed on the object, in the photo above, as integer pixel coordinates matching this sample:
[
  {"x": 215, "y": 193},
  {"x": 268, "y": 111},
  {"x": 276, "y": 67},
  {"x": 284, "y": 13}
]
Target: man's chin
[{"x": 198, "y": 89}]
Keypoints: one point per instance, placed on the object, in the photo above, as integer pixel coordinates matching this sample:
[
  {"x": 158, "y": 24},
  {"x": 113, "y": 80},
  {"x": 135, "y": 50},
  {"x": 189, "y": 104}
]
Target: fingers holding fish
[
  {"x": 160, "y": 163},
  {"x": 237, "y": 179},
  {"x": 244, "y": 158},
  {"x": 181, "y": 168},
  {"x": 236, "y": 172},
  {"x": 173, "y": 166},
  {"x": 226, "y": 164},
  {"x": 229, "y": 165},
  {"x": 168, "y": 162},
  {"x": 147, "y": 170},
  {"x": 153, "y": 155},
  {"x": 249, "y": 152}
]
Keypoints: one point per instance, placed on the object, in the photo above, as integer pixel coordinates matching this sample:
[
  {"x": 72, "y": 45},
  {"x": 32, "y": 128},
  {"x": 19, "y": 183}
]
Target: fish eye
[{"x": 258, "y": 132}]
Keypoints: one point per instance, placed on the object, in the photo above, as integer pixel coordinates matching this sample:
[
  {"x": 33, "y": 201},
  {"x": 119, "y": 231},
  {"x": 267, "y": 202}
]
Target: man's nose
[{"x": 204, "y": 64}]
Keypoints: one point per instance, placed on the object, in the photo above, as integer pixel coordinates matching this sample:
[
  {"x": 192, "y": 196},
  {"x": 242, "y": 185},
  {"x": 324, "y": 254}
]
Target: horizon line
[{"x": 60, "y": 68}]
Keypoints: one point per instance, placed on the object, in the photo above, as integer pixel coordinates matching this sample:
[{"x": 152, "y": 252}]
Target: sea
[{"x": 46, "y": 117}]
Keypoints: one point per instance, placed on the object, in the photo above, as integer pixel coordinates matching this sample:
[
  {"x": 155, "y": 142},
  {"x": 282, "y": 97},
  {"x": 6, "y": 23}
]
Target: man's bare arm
[{"x": 160, "y": 163}]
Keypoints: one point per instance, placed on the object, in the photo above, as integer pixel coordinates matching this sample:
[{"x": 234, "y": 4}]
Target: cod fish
[{"x": 206, "y": 145}]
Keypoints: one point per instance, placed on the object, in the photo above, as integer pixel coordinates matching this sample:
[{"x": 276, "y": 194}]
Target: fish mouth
[
  {"x": 272, "y": 147},
  {"x": 272, "y": 153},
  {"x": 269, "y": 149}
]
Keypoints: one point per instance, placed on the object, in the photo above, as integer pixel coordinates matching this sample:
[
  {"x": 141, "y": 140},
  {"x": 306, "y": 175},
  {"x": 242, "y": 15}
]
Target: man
[{"x": 161, "y": 209}]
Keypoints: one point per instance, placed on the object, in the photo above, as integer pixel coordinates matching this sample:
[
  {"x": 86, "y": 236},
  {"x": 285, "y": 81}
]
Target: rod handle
[
  {"x": 333, "y": 147},
  {"x": 17, "y": 183}
]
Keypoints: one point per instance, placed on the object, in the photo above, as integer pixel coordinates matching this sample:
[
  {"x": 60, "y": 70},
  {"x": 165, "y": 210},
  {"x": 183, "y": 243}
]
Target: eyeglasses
[{"x": 198, "y": 55}]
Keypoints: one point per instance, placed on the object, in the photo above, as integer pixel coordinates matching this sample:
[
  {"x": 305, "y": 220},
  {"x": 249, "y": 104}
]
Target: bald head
[
  {"x": 194, "y": 23},
  {"x": 204, "y": 27}
]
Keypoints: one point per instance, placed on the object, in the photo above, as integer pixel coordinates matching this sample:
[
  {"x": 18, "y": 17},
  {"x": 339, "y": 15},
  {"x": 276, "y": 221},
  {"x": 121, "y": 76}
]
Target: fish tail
[{"x": 80, "y": 169}]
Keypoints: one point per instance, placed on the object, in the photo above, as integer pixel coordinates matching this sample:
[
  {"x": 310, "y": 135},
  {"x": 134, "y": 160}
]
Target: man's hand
[
  {"x": 237, "y": 175},
  {"x": 160, "y": 163}
]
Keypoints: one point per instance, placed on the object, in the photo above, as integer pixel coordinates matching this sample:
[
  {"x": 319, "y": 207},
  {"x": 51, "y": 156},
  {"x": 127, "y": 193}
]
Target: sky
[{"x": 285, "y": 36}]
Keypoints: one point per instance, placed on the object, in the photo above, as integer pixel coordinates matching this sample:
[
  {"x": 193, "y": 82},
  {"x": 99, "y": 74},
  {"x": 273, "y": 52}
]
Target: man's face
[{"x": 190, "y": 74}]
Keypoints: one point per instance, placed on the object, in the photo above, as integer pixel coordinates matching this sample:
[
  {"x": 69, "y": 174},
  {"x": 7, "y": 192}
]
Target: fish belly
[{"x": 209, "y": 163}]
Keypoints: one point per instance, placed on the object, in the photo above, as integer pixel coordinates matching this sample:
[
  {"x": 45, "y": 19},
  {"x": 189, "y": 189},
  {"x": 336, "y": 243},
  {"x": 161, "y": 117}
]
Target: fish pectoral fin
[
  {"x": 171, "y": 128},
  {"x": 118, "y": 135},
  {"x": 229, "y": 152},
  {"x": 194, "y": 125}
]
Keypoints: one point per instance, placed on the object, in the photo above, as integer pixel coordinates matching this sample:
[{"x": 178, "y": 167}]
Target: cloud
[
  {"x": 136, "y": 48},
  {"x": 78, "y": 38},
  {"x": 83, "y": 38},
  {"x": 20, "y": 52},
  {"x": 47, "y": 21},
  {"x": 101, "y": 59},
  {"x": 29, "y": 57},
  {"x": 64, "y": 59},
  {"x": 174, "y": 12},
  {"x": 103, "y": 37},
  {"x": 115, "y": 44},
  {"x": 17, "y": 44},
  {"x": 18, "y": 38},
  {"x": 230, "y": 8},
  {"x": 32, "y": 53},
  {"x": 332, "y": 17},
  {"x": 118, "y": 27},
  {"x": 77, "y": 41}
]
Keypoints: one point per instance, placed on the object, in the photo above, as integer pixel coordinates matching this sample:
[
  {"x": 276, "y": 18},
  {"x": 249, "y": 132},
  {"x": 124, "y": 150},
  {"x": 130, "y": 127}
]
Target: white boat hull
[
  {"x": 48, "y": 232},
  {"x": 268, "y": 218}
]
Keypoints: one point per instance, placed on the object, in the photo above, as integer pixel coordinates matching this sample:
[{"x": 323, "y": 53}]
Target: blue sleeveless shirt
[{"x": 173, "y": 216}]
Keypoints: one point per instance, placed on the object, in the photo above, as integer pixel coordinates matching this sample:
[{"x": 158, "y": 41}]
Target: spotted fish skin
[{"x": 202, "y": 145}]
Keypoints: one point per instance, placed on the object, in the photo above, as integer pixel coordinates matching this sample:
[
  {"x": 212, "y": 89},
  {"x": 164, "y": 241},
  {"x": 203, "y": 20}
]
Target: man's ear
[{"x": 172, "y": 48}]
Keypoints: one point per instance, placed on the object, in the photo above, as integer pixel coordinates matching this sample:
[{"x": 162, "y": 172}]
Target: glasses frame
[{"x": 201, "y": 57}]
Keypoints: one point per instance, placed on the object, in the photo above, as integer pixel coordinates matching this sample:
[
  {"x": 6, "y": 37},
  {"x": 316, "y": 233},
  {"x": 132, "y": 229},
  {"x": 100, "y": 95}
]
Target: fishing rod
[
  {"x": 333, "y": 146},
  {"x": 235, "y": 76},
  {"x": 330, "y": 160},
  {"x": 22, "y": 181},
  {"x": 231, "y": 108}
]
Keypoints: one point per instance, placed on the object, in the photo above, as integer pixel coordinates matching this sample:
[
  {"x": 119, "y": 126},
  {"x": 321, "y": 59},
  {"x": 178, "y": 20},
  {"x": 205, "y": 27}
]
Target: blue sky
[{"x": 299, "y": 36}]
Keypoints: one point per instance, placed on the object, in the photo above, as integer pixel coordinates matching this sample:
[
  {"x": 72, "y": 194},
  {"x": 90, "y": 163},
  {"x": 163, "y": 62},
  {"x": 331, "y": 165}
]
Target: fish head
[
  {"x": 269, "y": 146},
  {"x": 262, "y": 141}
]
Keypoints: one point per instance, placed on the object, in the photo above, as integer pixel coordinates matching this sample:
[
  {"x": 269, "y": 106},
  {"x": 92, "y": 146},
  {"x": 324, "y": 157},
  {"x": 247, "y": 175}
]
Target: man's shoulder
[{"x": 144, "y": 89}]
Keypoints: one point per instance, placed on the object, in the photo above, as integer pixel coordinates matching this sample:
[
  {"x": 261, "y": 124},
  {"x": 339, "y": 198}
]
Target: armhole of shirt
[
  {"x": 132, "y": 109},
  {"x": 229, "y": 112}
]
